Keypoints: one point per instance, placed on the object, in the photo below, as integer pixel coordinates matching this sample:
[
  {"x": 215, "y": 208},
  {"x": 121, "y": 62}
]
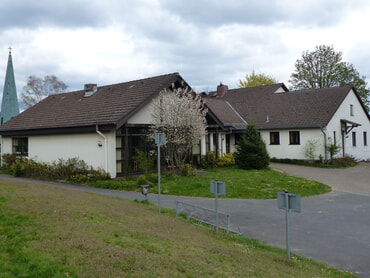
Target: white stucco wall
[
  {"x": 6, "y": 145},
  {"x": 144, "y": 116},
  {"x": 333, "y": 129},
  {"x": 90, "y": 147},
  {"x": 285, "y": 150},
  {"x": 360, "y": 151}
]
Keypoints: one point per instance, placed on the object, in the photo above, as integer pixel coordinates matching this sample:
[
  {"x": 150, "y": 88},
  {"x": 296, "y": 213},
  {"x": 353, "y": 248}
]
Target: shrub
[
  {"x": 332, "y": 149},
  {"x": 90, "y": 177},
  {"x": 142, "y": 180},
  {"x": 17, "y": 168},
  {"x": 251, "y": 150},
  {"x": 310, "y": 149},
  {"x": 73, "y": 170},
  {"x": 209, "y": 160},
  {"x": 226, "y": 160},
  {"x": 144, "y": 161},
  {"x": 344, "y": 161},
  {"x": 64, "y": 169},
  {"x": 117, "y": 184},
  {"x": 9, "y": 159},
  {"x": 153, "y": 178},
  {"x": 187, "y": 170}
]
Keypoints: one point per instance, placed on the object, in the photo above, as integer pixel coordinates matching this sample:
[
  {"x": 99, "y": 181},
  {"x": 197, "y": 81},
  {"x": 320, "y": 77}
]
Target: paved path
[
  {"x": 352, "y": 180},
  {"x": 333, "y": 228}
]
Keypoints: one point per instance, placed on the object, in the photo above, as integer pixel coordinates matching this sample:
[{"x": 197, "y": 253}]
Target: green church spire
[{"x": 9, "y": 105}]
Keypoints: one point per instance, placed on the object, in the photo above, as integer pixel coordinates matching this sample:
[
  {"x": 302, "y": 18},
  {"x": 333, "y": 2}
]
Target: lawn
[
  {"x": 244, "y": 184},
  {"x": 50, "y": 232}
]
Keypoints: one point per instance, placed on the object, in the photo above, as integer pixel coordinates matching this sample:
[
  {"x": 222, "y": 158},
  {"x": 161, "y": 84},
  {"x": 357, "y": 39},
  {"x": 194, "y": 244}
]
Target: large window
[
  {"x": 20, "y": 146},
  {"x": 274, "y": 138},
  {"x": 294, "y": 138},
  {"x": 129, "y": 141}
]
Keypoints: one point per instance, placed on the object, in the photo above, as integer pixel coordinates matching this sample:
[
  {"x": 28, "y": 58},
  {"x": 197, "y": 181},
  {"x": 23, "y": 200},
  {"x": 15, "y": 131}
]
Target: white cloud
[{"x": 207, "y": 41}]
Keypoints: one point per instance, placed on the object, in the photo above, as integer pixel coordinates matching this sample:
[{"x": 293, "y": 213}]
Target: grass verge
[
  {"x": 243, "y": 184},
  {"x": 53, "y": 232}
]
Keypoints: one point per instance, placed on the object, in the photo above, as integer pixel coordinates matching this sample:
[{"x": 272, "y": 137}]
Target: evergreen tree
[{"x": 251, "y": 152}]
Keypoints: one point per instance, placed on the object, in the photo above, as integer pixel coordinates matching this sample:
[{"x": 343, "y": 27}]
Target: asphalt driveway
[{"x": 332, "y": 228}]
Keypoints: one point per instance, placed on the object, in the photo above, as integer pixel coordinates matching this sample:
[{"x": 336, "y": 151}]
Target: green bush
[
  {"x": 226, "y": 160},
  {"x": 144, "y": 161},
  {"x": 251, "y": 152},
  {"x": 72, "y": 170},
  {"x": 209, "y": 160},
  {"x": 142, "y": 180},
  {"x": 90, "y": 177},
  {"x": 17, "y": 168},
  {"x": 64, "y": 169},
  {"x": 187, "y": 170},
  {"x": 117, "y": 184},
  {"x": 9, "y": 159},
  {"x": 153, "y": 178},
  {"x": 344, "y": 161}
]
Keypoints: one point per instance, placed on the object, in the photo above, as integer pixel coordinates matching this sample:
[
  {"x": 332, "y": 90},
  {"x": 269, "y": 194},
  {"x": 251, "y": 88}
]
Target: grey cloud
[
  {"x": 33, "y": 14},
  {"x": 261, "y": 12}
]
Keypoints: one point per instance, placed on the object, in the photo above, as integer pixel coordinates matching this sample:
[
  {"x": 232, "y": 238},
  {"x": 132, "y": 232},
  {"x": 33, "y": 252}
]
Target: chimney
[
  {"x": 90, "y": 89},
  {"x": 222, "y": 90}
]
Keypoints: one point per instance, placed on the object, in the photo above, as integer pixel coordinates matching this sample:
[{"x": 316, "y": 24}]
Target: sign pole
[
  {"x": 288, "y": 202},
  {"x": 287, "y": 225},
  {"x": 217, "y": 188},
  {"x": 159, "y": 177},
  {"x": 216, "y": 207},
  {"x": 160, "y": 139}
]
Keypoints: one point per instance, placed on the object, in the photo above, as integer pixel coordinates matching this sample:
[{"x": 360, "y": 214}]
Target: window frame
[
  {"x": 294, "y": 137},
  {"x": 274, "y": 138},
  {"x": 354, "y": 139},
  {"x": 351, "y": 111},
  {"x": 364, "y": 134},
  {"x": 20, "y": 146}
]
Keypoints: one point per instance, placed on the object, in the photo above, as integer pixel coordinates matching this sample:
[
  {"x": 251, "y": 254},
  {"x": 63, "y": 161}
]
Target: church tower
[{"x": 9, "y": 105}]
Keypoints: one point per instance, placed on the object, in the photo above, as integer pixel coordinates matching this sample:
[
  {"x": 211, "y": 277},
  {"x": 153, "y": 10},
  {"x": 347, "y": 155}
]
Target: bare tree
[
  {"x": 37, "y": 89},
  {"x": 181, "y": 115}
]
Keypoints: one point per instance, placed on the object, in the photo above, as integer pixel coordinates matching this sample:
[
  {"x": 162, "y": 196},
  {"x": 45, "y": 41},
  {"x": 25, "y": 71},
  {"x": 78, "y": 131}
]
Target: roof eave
[
  {"x": 291, "y": 127},
  {"x": 123, "y": 120},
  {"x": 59, "y": 130}
]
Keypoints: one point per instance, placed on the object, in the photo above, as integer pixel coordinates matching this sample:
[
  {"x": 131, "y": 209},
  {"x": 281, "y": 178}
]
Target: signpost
[
  {"x": 217, "y": 188},
  {"x": 288, "y": 202},
  {"x": 160, "y": 139}
]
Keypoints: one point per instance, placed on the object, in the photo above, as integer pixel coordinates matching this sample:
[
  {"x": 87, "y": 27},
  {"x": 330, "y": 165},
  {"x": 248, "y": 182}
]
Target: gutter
[
  {"x": 325, "y": 143},
  {"x": 105, "y": 148}
]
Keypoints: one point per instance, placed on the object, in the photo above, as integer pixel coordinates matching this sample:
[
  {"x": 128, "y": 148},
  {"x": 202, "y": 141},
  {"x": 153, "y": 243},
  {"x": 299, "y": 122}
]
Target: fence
[{"x": 204, "y": 215}]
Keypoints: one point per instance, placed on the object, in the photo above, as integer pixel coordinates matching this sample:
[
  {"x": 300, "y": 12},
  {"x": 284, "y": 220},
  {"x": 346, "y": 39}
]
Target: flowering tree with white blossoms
[{"x": 181, "y": 115}]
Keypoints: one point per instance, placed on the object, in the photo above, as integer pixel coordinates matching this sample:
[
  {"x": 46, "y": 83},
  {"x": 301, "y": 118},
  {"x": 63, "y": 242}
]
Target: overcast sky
[{"x": 206, "y": 41}]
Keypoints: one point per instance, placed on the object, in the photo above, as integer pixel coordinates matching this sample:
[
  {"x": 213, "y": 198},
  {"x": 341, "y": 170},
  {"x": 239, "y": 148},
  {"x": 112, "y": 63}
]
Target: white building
[
  {"x": 101, "y": 125},
  {"x": 291, "y": 121},
  {"x": 104, "y": 126}
]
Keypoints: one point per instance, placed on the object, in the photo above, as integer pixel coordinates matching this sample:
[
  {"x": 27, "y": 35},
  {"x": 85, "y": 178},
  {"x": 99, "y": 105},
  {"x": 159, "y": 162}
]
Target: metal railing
[{"x": 204, "y": 215}]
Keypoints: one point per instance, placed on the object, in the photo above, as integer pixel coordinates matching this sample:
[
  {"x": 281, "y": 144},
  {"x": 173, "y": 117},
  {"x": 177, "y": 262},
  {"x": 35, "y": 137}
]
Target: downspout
[
  {"x": 325, "y": 143},
  {"x": 105, "y": 148}
]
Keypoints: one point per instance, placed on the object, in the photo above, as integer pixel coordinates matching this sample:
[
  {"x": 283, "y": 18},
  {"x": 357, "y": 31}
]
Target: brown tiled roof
[
  {"x": 224, "y": 112},
  {"x": 111, "y": 105},
  {"x": 267, "y": 109}
]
